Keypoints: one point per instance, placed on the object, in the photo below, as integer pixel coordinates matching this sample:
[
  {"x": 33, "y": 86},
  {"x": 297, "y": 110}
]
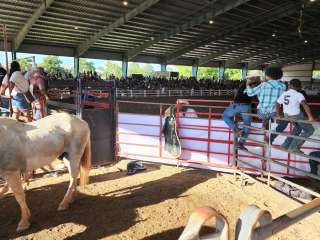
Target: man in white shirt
[{"x": 291, "y": 101}]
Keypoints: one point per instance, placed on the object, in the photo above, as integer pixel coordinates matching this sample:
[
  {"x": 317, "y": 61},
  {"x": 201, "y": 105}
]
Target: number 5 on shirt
[{"x": 287, "y": 99}]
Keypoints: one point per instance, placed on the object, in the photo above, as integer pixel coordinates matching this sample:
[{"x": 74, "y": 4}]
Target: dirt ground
[{"x": 152, "y": 205}]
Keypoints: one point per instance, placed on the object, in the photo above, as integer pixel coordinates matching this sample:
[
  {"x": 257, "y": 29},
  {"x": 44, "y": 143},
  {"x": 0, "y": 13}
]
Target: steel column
[
  {"x": 163, "y": 65},
  {"x": 124, "y": 68},
  {"x": 76, "y": 66},
  {"x": 195, "y": 68},
  {"x": 244, "y": 71},
  {"x": 221, "y": 71}
]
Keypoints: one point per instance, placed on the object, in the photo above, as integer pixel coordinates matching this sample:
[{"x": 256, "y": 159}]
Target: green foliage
[
  {"x": 138, "y": 68},
  {"x": 233, "y": 74},
  {"x": 86, "y": 66},
  {"x": 111, "y": 68},
  {"x": 52, "y": 64},
  {"x": 206, "y": 72},
  {"x": 148, "y": 70},
  {"x": 184, "y": 71},
  {"x": 316, "y": 74},
  {"x": 23, "y": 64}
]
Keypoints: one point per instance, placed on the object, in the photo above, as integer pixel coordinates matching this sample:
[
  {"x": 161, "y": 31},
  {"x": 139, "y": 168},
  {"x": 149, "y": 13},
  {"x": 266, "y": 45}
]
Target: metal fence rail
[
  {"x": 268, "y": 147},
  {"x": 172, "y": 93},
  {"x": 269, "y": 229}
]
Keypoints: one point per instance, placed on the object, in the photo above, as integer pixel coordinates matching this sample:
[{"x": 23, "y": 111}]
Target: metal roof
[{"x": 167, "y": 31}]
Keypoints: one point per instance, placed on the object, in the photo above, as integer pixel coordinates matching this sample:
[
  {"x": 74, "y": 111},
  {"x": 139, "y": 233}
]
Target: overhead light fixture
[
  {"x": 274, "y": 34},
  {"x": 302, "y": 58},
  {"x": 152, "y": 38},
  {"x": 312, "y": 0},
  {"x": 211, "y": 21},
  {"x": 305, "y": 41},
  {"x": 125, "y": 3},
  {"x": 76, "y": 28}
]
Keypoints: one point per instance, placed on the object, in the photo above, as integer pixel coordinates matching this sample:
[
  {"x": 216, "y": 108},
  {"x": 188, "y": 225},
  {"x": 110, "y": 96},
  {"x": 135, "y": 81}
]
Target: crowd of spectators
[{"x": 153, "y": 83}]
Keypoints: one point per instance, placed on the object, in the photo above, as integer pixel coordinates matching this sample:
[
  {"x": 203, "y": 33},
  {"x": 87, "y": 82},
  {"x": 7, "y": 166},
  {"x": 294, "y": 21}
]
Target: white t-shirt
[
  {"x": 291, "y": 101},
  {"x": 190, "y": 113},
  {"x": 21, "y": 84}
]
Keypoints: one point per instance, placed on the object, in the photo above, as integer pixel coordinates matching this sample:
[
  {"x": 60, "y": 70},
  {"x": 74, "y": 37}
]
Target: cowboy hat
[{"x": 254, "y": 74}]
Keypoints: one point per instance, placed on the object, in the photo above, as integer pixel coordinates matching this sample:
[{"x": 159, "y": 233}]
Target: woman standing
[{"x": 18, "y": 86}]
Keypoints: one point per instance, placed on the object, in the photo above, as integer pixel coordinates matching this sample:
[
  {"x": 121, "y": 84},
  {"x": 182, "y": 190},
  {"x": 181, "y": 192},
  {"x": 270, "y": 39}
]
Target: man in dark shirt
[{"x": 241, "y": 104}]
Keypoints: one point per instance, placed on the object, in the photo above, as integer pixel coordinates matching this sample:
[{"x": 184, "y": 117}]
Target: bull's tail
[{"x": 85, "y": 164}]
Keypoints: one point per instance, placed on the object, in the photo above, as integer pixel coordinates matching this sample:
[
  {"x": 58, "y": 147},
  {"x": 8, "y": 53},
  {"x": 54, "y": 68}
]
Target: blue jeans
[
  {"x": 281, "y": 126},
  {"x": 306, "y": 129},
  {"x": 314, "y": 164},
  {"x": 231, "y": 111},
  {"x": 265, "y": 117}
]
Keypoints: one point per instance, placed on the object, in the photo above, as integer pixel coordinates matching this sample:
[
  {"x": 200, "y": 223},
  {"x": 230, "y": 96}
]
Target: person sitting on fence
[
  {"x": 291, "y": 101},
  {"x": 281, "y": 124},
  {"x": 241, "y": 104},
  {"x": 268, "y": 93}
]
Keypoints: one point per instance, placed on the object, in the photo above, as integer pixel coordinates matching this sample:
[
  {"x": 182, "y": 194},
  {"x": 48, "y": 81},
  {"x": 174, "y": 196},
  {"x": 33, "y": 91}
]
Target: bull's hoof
[
  {"x": 63, "y": 207},
  {"x": 22, "y": 227}
]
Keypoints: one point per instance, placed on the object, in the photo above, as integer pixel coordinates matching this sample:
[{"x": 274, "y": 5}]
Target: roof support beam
[
  {"x": 212, "y": 56},
  {"x": 269, "y": 16},
  {"x": 83, "y": 47},
  {"x": 35, "y": 16},
  {"x": 293, "y": 58},
  {"x": 286, "y": 52},
  {"x": 205, "y": 17}
]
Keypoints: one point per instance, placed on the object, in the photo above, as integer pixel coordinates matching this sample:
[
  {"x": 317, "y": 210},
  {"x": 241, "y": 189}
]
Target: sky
[{"x": 66, "y": 61}]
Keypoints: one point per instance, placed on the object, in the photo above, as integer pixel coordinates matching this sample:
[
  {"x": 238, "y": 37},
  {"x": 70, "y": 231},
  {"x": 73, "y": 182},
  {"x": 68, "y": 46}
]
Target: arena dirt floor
[{"x": 152, "y": 205}]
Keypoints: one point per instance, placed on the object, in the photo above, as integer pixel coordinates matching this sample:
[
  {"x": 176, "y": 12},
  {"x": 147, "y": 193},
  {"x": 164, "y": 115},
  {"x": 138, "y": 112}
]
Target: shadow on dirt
[{"x": 103, "y": 215}]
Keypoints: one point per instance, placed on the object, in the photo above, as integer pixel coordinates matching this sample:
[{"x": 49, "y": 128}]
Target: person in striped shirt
[{"x": 268, "y": 93}]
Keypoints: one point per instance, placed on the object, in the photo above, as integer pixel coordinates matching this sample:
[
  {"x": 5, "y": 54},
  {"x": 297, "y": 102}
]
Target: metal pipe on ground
[{"x": 286, "y": 220}]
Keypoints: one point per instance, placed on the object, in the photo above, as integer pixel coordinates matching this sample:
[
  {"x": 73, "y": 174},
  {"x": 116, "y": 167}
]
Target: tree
[
  {"x": 185, "y": 71},
  {"x": 233, "y": 74},
  {"x": 316, "y": 74},
  {"x": 207, "y": 72},
  {"x": 23, "y": 64},
  {"x": 134, "y": 68},
  {"x": 86, "y": 66},
  {"x": 52, "y": 64},
  {"x": 148, "y": 70},
  {"x": 111, "y": 68}
]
